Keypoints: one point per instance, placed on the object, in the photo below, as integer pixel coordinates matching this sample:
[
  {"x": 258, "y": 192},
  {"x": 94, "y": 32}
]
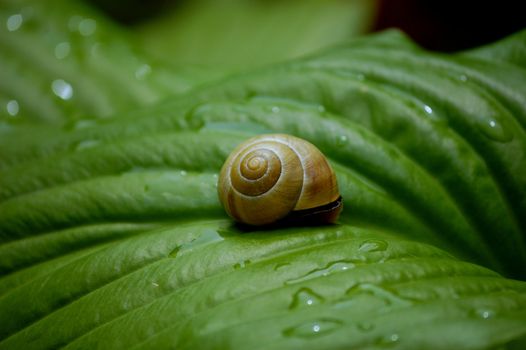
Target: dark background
[
  {"x": 444, "y": 25},
  {"x": 449, "y": 25}
]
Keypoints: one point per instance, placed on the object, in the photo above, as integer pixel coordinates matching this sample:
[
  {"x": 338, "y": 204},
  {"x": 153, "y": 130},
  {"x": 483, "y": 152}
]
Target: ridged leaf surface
[{"x": 112, "y": 236}]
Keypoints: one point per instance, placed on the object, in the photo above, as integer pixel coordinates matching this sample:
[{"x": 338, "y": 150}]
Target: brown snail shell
[{"x": 271, "y": 177}]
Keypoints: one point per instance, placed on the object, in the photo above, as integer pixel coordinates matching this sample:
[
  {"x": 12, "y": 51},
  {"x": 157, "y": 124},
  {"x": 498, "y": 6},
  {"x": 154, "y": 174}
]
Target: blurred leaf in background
[
  {"x": 245, "y": 33},
  {"x": 65, "y": 60}
]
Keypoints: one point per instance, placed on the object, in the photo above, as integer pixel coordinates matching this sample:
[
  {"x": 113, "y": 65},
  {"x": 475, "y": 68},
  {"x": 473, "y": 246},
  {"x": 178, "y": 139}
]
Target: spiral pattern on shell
[{"x": 270, "y": 176}]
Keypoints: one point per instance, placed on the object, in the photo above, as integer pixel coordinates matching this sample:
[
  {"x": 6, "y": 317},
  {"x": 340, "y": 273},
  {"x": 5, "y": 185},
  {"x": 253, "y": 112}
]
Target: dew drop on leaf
[
  {"x": 241, "y": 264},
  {"x": 495, "y": 131},
  {"x": 206, "y": 237},
  {"x": 280, "y": 266},
  {"x": 332, "y": 267},
  {"x": 305, "y": 297},
  {"x": 313, "y": 328},
  {"x": 342, "y": 140},
  {"x": 483, "y": 313},
  {"x": 12, "y": 108},
  {"x": 388, "y": 341},
  {"x": 373, "y": 245},
  {"x": 143, "y": 71},
  {"x": 87, "y": 26},
  {"x": 62, "y": 50},
  {"x": 62, "y": 89},
  {"x": 365, "y": 326},
  {"x": 14, "y": 22},
  {"x": 86, "y": 144},
  {"x": 81, "y": 124},
  {"x": 388, "y": 297},
  {"x": 174, "y": 252},
  {"x": 428, "y": 109}
]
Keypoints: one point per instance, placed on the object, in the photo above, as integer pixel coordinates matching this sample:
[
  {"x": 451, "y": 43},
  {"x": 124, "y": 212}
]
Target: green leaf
[
  {"x": 210, "y": 285},
  {"x": 234, "y": 34},
  {"x": 62, "y": 60},
  {"x": 112, "y": 236}
]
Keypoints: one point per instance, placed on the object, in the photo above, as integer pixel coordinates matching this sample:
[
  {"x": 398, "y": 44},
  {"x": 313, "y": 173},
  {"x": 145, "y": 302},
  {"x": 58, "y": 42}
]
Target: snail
[{"x": 278, "y": 177}]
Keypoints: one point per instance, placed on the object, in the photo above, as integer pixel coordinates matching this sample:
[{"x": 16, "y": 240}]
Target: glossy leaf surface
[{"x": 112, "y": 234}]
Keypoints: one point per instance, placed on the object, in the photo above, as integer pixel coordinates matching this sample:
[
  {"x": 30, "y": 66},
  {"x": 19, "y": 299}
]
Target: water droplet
[
  {"x": 463, "y": 78},
  {"x": 84, "y": 123},
  {"x": 484, "y": 313},
  {"x": 14, "y": 22},
  {"x": 313, "y": 328},
  {"x": 360, "y": 77},
  {"x": 241, "y": 264},
  {"x": 495, "y": 131},
  {"x": 174, "y": 252},
  {"x": 143, "y": 71},
  {"x": 342, "y": 140},
  {"x": 87, "y": 26},
  {"x": 80, "y": 124},
  {"x": 168, "y": 196},
  {"x": 12, "y": 108},
  {"x": 388, "y": 297},
  {"x": 305, "y": 297},
  {"x": 365, "y": 326},
  {"x": 332, "y": 267},
  {"x": 428, "y": 109},
  {"x": 321, "y": 109},
  {"x": 275, "y": 109},
  {"x": 373, "y": 245},
  {"x": 62, "y": 50},
  {"x": 62, "y": 89},
  {"x": 281, "y": 266},
  {"x": 388, "y": 341},
  {"x": 126, "y": 304},
  {"x": 183, "y": 173},
  {"x": 86, "y": 144},
  {"x": 206, "y": 237}
]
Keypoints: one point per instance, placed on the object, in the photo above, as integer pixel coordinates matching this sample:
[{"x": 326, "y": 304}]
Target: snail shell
[{"x": 271, "y": 177}]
